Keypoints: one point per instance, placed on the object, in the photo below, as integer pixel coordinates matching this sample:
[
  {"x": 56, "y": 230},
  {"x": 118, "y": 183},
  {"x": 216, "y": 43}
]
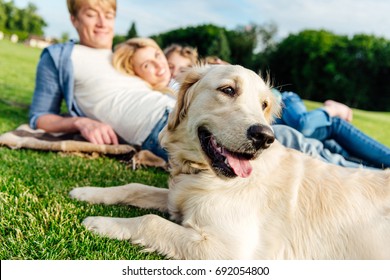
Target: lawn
[{"x": 37, "y": 218}]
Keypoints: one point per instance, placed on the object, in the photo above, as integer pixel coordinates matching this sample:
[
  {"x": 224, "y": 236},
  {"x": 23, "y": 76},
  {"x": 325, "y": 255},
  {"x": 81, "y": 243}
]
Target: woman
[{"x": 112, "y": 88}]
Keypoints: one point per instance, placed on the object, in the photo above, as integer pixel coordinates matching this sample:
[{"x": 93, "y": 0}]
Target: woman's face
[
  {"x": 95, "y": 26},
  {"x": 178, "y": 63},
  {"x": 151, "y": 65}
]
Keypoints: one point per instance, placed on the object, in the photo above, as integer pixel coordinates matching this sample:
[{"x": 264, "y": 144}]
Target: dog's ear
[
  {"x": 273, "y": 110},
  {"x": 187, "y": 81},
  {"x": 273, "y": 100}
]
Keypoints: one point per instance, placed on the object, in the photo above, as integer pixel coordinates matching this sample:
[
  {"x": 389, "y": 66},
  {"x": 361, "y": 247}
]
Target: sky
[{"x": 342, "y": 17}]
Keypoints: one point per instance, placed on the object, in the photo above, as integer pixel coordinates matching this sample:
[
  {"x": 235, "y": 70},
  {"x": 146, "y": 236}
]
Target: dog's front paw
[
  {"x": 116, "y": 228},
  {"x": 85, "y": 194}
]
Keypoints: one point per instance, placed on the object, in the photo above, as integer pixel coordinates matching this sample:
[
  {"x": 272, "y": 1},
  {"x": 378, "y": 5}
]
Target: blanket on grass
[{"x": 26, "y": 138}]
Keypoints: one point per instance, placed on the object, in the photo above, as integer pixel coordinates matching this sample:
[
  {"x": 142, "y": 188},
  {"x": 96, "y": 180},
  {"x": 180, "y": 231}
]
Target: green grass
[{"x": 37, "y": 218}]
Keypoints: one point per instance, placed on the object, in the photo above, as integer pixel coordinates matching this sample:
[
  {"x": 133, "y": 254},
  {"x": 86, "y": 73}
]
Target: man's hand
[
  {"x": 93, "y": 131},
  {"x": 96, "y": 132}
]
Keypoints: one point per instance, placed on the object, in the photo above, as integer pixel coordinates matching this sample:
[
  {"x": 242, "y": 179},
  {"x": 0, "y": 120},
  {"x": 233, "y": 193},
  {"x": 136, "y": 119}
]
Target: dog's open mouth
[{"x": 223, "y": 161}]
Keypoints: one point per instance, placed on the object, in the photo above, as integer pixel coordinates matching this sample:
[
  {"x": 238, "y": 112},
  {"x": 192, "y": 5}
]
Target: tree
[
  {"x": 64, "y": 37},
  {"x": 3, "y": 15},
  {"x": 208, "y": 39},
  {"x": 265, "y": 35},
  {"x": 242, "y": 42},
  {"x": 35, "y": 23},
  {"x": 23, "y": 21},
  {"x": 132, "y": 33},
  {"x": 320, "y": 65},
  {"x": 11, "y": 15},
  {"x": 219, "y": 46}
]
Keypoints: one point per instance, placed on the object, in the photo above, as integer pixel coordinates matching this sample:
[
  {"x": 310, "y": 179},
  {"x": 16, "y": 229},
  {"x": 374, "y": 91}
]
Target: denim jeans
[
  {"x": 357, "y": 144},
  {"x": 152, "y": 143},
  {"x": 293, "y": 139},
  {"x": 295, "y": 114},
  {"x": 337, "y": 135}
]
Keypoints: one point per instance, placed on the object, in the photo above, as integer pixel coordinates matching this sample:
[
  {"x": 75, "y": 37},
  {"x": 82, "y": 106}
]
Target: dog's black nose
[{"x": 262, "y": 136}]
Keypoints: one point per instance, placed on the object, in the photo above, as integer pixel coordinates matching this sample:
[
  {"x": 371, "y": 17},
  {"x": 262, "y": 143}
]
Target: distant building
[
  {"x": 39, "y": 42},
  {"x": 14, "y": 38}
]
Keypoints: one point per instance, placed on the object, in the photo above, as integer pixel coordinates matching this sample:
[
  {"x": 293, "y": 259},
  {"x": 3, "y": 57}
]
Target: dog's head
[{"x": 221, "y": 121}]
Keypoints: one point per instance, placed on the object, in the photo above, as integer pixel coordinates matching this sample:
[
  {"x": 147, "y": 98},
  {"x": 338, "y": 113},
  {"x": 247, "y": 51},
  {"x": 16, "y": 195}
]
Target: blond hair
[
  {"x": 75, "y": 5},
  {"x": 212, "y": 59},
  {"x": 124, "y": 52},
  {"x": 184, "y": 51}
]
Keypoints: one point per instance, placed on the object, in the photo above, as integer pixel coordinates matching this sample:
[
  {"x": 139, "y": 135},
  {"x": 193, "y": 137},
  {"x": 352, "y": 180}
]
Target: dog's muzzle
[
  {"x": 231, "y": 163},
  {"x": 261, "y": 136}
]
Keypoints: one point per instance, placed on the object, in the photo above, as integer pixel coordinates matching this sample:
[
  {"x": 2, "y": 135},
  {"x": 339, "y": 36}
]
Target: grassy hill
[{"x": 38, "y": 220}]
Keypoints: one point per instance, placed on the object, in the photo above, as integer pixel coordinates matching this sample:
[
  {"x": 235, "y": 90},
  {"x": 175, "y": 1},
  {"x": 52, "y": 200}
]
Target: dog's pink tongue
[{"x": 241, "y": 167}]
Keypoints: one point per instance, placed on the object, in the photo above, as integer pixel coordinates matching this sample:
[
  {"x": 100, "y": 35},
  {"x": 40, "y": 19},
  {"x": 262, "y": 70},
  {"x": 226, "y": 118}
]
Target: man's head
[
  {"x": 179, "y": 58},
  {"x": 94, "y": 21}
]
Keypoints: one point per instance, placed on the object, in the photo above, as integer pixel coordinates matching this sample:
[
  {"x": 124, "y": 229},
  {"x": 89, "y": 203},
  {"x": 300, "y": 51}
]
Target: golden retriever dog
[{"x": 236, "y": 193}]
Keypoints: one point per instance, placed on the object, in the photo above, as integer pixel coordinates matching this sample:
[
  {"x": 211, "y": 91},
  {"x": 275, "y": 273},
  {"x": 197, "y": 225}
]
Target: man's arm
[
  {"x": 92, "y": 130},
  {"x": 46, "y": 103}
]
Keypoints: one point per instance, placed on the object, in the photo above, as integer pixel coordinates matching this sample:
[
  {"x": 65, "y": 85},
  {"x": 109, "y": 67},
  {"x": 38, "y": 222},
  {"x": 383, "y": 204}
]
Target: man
[{"x": 94, "y": 21}]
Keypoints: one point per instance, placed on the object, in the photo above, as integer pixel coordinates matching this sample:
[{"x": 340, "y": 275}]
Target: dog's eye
[
  {"x": 228, "y": 90},
  {"x": 264, "y": 104}
]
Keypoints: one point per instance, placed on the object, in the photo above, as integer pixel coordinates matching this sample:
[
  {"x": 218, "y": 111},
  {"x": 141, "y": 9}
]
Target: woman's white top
[{"x": 125, "y": 102}]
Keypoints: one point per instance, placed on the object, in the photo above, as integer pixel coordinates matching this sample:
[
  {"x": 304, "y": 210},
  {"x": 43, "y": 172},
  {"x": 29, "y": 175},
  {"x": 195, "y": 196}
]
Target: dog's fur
[{"x": 280, "y": 204}]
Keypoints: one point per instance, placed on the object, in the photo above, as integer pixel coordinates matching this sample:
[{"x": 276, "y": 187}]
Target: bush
[{"x": 320, "y": 65}]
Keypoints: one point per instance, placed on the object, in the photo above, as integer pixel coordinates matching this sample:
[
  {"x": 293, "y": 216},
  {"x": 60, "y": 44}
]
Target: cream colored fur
[{"x": 290, "y": 207}]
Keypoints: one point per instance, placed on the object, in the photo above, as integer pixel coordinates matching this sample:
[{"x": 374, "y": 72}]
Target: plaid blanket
[{"x": 26, "y": 138}]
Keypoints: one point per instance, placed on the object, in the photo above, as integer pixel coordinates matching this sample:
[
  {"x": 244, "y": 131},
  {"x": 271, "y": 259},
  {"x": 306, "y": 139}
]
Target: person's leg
[
  {"x": 295, "y": 114},
  {"x": 152, "y": 143},
  {"x": 293, "y": 139},
  {"x": 335, "y": 148},
  {"x": 358, "y": 144}
]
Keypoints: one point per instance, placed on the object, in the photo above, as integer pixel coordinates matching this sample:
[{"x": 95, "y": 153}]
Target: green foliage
[
  {"x": 320, "y": 65},
  {"x": 132, "y": 33},
  {"x": 21, "y": 21},
  {"x": 65, "y": 37},
  {"x": 118, "y": 39},
  {"x": 208, "y": 39},
  {"x": 3, "y": 15},
  {"x": 242, "y": 43},
  {"x": 235, "y": 46}
]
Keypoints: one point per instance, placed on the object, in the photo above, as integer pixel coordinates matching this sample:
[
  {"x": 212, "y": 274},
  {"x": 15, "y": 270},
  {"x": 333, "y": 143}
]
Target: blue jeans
[
  {"x": 152, "y": 143},
  {"x": 357, "y": 144},
  {"x": 338, "y": 136},
  {"x": 291, "y": 138}
]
